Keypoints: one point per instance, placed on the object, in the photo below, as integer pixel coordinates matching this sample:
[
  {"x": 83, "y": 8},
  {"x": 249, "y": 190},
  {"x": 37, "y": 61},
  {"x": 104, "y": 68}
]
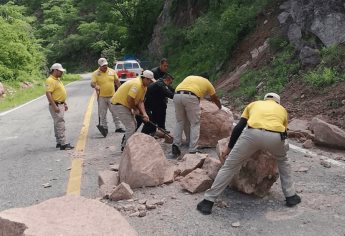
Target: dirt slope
[{"x": 300, "y": 99}]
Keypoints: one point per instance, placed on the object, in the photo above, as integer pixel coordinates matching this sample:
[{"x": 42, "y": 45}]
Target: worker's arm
[
  {"x": 51, "y": 102},
  {"x": 236, "y": 132},
  {"x": 215, "y": 99},
  {"x": 117, "y": 83},
  {"x": 95, "y": 86},
  {"x": 142, "y": 110}
]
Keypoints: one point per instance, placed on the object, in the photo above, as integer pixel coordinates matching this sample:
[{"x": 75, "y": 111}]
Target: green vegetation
[
  {"x": 16, "y": 95},
  {"x": 207, "y": 44},
  {"x": 21, "y": 57},
  {"x": 271, "y": 78},
  {"x": 330, "y": 70}
]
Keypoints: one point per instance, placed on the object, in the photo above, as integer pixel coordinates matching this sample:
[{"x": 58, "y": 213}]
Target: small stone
[
  {"x": 236, "y": 224},
  {"x": 325, "y": 164},
  {"x": 114, "y": 167},
  {"x": 173, "y": 197},
  {"x": 46, "y": 185},
  {"x": 302, "y": 96},
  {"x": 141, "y": 207},
  {"x": 68, "y": 168},
  {"x": 142, "y": 213},
  {"x": 142, "y": 201},
  {"x": 265, "y": 22},
  {"x": 151, "y": 207},
  {"x": 302, "y": 169},
  {"x": 135, "y": 214}
]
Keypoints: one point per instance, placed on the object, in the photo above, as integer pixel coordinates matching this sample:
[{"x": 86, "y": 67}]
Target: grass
[{"x": 16, "y": 96}]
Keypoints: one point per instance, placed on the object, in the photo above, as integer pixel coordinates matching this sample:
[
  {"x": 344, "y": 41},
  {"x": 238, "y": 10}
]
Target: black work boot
[
  {"x": 293, "y": 200},
  {"x": 205, "y": 207},
  {"x": 67, "y": 146},
  {"x": 175, "y": 152},
  {"x": 120, "y": 130}
]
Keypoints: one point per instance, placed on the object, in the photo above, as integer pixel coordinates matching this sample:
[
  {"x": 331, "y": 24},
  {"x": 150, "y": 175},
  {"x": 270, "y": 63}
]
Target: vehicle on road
[{"x": 127, "y": 70}]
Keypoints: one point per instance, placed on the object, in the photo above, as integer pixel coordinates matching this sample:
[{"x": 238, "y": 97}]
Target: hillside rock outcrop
[{"x": 324, "y": 19}]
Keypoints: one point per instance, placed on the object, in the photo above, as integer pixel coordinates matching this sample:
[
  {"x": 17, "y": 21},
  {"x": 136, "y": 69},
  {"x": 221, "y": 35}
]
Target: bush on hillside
[{"x": 21, "y": 57}]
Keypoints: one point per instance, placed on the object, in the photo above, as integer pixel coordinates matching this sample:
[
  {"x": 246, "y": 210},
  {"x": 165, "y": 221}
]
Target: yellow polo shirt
[
  {"x": 56, "y": 88},
  {"x": 133, "y": 88},
  {"x": 105, "y": 80},
  {"x": 197, "y": 85},
  {"x": 267, "y": 115}
]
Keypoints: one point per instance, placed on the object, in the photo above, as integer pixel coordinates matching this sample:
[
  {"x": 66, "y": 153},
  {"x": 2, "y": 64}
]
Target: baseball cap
[
  {"x": 102, "y": 61},
  {"x": 57, "y": 66},
  {"x": 272, "y": 96},
  {"x": 148, "y": 74}
]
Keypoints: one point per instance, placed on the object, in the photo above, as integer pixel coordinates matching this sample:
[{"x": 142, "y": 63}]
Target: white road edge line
[
  {"x": 326, "y": 159},
  {"x": 16, "y": 108},
  {"x": 313, "y": 154}
]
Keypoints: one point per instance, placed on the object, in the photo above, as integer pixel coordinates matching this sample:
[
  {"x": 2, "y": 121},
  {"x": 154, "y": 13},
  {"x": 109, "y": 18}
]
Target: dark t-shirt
[
  {"x": 157, "y": 94},
  {"x": 157, "y": 73}
]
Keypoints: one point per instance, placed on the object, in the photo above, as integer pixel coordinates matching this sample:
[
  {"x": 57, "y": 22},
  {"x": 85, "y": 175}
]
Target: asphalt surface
[{"x": 28, "y": 159}]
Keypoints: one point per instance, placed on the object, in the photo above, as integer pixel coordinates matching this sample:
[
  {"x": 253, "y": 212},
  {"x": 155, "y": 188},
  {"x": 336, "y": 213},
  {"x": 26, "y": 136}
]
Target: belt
[
  {"x": 265, "y": 130},
  {"x": 186, "y": 92},
  {"x": 58, "y": 103},
  {"x": 116, "y": 104}
]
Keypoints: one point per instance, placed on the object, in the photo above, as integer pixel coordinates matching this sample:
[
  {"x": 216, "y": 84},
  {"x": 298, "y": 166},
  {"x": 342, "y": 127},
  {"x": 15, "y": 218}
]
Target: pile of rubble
[{"x": 143, "y": 164}]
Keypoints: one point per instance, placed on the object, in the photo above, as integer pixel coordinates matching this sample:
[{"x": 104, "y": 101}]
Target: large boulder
[
  {"x": 299, "y": 129},
  {"x": 327, "y": 134},
  {"x": 257, "y": 175},
  {"x": 11, "y": 228},
  {"x": 215, "y": 124},
  {"x": 68, "y": 216},
  {"x": 143, "y": 162}
]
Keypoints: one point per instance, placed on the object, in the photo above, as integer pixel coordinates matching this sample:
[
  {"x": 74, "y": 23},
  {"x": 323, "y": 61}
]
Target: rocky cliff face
[
  {"x": 180, "y": 13},
  {"x": 322, "y": 19}
]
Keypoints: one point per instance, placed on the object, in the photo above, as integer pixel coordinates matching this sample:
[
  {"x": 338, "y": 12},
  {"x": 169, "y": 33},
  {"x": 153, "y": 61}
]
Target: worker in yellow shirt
[
  {"x": 266, "y": 123},
  {"x": 128, "y": 101},
  {"x": 187, "y": 110},
  {"x": 104, "y": 80},
  {"x": 56, "y": 95}
]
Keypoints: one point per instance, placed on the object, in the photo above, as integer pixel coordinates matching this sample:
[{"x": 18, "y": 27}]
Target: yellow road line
[{"x": 74, "y": 181}]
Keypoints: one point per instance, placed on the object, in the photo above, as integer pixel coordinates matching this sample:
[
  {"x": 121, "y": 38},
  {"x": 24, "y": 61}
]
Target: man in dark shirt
[
  {"x": 159, "y": 72},
  {"x": 156, "y": 100}
]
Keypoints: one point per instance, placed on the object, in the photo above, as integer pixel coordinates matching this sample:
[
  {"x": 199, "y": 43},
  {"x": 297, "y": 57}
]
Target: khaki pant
[
  {"x": 250, "y": 141},
  {"x": 104, "y": 103},
  {"x": 59, "y": 123},
  {"x": 127, "y": 119},
  {"x": 187, "y": 112}
]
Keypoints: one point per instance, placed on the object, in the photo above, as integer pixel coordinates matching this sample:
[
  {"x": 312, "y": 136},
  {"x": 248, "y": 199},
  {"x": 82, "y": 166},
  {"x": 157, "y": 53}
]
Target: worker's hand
[
  {"x": 56, "y": 109},
  {"x": 227, "y": 110},
  {"x": 97, "y": 88},
  {"x": 146, "y": 118},
  {"x": 224, "y": 155},
  {"x": 135, "y": 112},
  {"x": 66, "y": 107}
]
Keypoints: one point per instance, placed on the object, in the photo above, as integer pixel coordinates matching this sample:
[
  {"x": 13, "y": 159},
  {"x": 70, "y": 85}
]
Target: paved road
[{"x": 28, "y": 159}]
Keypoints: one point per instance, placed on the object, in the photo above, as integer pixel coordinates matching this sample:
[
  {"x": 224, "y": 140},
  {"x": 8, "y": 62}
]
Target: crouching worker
[
  {"x": 128, "y": 101},
  {"x": 266, "y": 123}
]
